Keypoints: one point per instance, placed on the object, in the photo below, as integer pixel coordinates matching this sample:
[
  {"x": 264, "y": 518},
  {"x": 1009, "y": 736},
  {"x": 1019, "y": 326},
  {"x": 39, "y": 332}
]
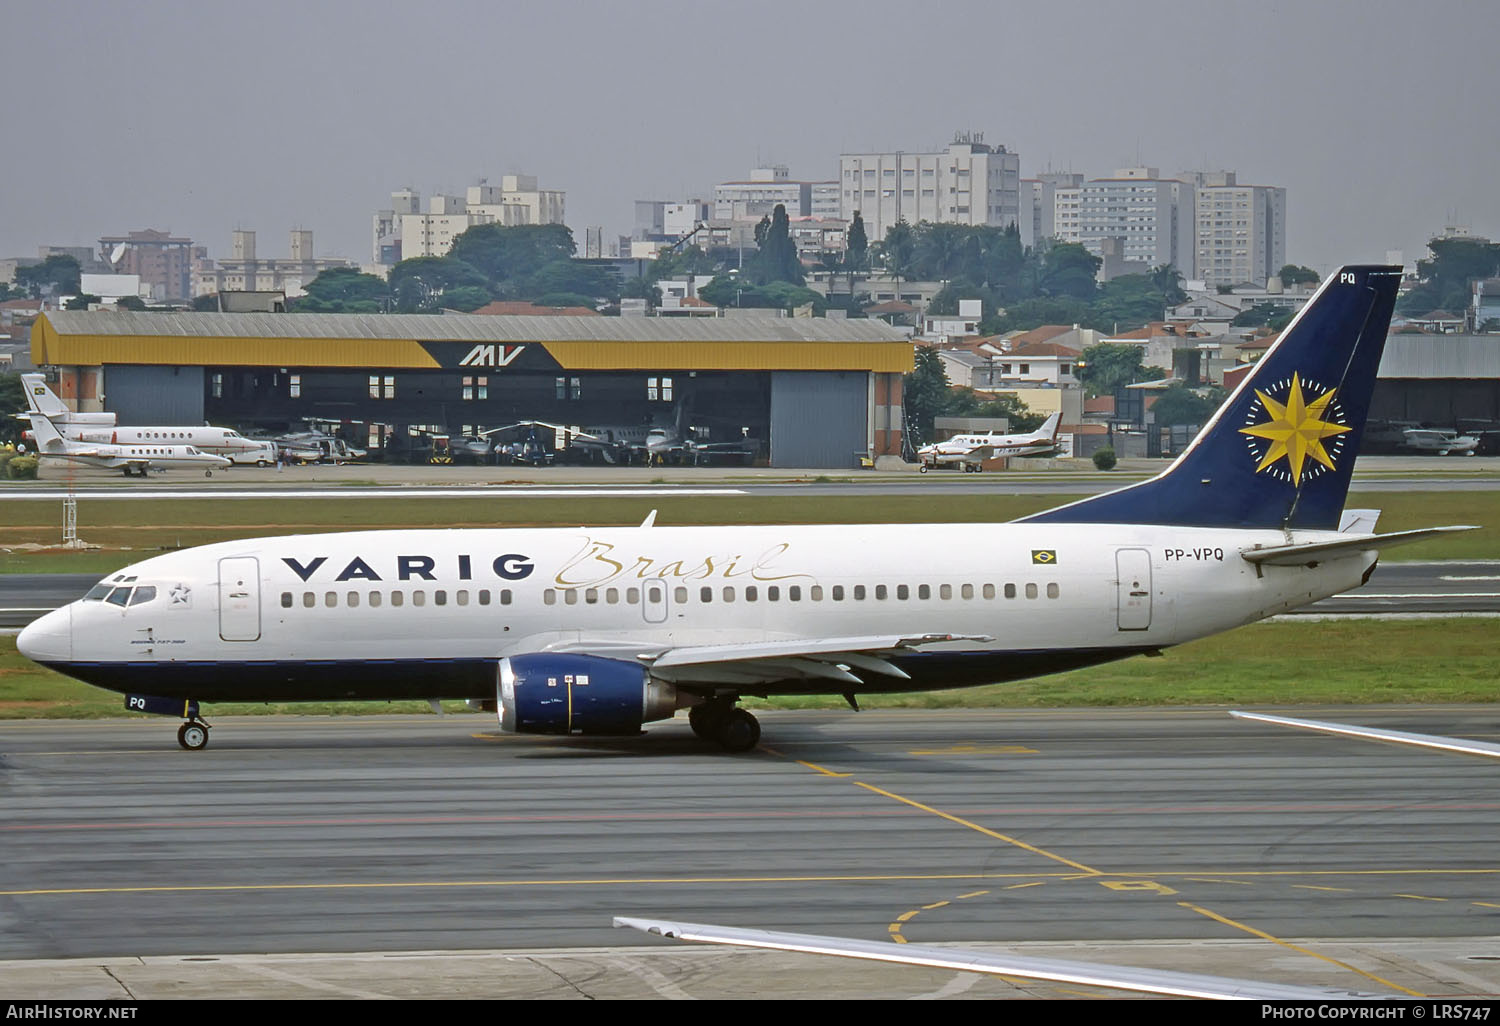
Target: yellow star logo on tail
[{"x": 1295, "y": 430}]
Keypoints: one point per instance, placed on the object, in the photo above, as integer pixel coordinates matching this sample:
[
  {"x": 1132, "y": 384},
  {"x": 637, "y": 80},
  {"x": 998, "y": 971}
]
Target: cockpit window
[
  {"x": 119, "y": 597},
  {"x": 98, "y": 591},
  {"x": 144, "y": 593}
]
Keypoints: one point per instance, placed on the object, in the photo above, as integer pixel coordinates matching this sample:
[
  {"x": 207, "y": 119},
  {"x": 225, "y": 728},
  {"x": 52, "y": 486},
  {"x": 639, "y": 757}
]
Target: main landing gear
[{"x": 736, "y": 730}]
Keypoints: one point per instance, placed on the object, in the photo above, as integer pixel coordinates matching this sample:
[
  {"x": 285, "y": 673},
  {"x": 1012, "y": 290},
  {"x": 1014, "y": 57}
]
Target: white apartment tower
[
  {"x": 1239, "y": 230},
  {"x": 969, "y": 182},
  {"x": 1039, "y": 199},
  {"x": 403, "y": 231},
  {"x": 1152, "y": 216}
]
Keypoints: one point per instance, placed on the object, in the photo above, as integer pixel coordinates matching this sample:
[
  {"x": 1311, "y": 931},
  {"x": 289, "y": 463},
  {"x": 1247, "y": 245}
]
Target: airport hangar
[{"x": 813, "y": 391}]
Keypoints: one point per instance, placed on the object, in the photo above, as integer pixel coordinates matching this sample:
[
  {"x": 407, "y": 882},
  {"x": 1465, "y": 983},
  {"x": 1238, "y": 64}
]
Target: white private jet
[
  {"x": 127, "y": 458},
  {"x": 970, "y": 451},
  {"x": 100, "y": 428},
  {"x": 597, "y": 631}
]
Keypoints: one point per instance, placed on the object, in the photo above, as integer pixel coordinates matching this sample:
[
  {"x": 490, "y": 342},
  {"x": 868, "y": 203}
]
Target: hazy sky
[{"x": 1379, "y": 117}]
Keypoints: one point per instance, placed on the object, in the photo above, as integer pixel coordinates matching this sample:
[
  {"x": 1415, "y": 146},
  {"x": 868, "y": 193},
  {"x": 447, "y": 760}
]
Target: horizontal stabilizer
[
  {"x": 1148, "y": 981},
  {"x": 1447, "y": 744},
  {"x": 1317, "y": 552}
]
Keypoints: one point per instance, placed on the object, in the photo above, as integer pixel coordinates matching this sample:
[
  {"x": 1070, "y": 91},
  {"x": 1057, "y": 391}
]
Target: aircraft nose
[{"x": 50, "y": 638}]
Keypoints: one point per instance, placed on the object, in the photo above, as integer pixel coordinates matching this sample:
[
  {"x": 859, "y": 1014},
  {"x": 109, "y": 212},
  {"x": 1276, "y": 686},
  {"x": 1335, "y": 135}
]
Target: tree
[
  {"x": 419, "y": 283},
  {"x": 502, "y": 253},
  {"x": 1447, "y": 276},
  {"x": 778, "y": 259},
  {"x": 925, "y": 393},
  {"x": 342, "y": 290},
  {"x": 131, "y": 303},
  {"x": 1267, "y": 315},
  {"x": 1295, "y": 274},
  {"x": 856, "y": 251},
  {"x": 898, "y": 250},
  {"x": 1167, "y": 280},
  {"x": 1069, "y": 270},
  {"x": 58, "y": 274},
  {"x": 1178, "y": 404},
  {"x": 12, "y": 401},
  {"x": 1108, "y": 366}
]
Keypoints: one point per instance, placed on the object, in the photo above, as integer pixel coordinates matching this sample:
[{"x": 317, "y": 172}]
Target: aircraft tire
[
  {"x": 707, "y": 719},
  {"x": 740, "y": 731},
  {"x": 922, "y": 469},
  {"x": 192, "y": 736}
]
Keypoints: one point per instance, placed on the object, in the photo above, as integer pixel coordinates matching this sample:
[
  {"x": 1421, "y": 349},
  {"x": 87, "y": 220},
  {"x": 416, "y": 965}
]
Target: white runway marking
[{"x": 395, "y": 492}]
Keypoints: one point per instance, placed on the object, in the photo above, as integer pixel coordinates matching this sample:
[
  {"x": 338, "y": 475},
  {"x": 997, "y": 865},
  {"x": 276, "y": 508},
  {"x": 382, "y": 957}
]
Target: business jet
[
  {"x": 100, "y": 428},
  {"x": 600, "y": 630},
  {"x": 134, "y": 458},
  {"x": 970, "y": 451}
]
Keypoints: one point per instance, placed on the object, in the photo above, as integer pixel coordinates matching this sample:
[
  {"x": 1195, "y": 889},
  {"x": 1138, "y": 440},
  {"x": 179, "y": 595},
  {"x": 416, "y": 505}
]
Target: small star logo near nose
[{"x": 181, "y": 595}]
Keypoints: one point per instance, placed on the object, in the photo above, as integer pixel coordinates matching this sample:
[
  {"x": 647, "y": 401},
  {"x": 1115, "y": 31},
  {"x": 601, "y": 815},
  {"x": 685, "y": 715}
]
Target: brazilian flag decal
[{"x": 1043, "y": 557}]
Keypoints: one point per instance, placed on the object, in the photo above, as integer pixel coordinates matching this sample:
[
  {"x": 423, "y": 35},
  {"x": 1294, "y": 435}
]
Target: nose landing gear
[{"x": 193, "y": 735}]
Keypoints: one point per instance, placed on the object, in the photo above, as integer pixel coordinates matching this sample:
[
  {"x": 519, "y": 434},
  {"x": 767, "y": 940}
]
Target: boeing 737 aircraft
[
  {"x": 127, "y": 458},
  {"x": 601, "y": 630},
  {"x": 101, "y": 428},
  {"x": 970, "y": 451}
]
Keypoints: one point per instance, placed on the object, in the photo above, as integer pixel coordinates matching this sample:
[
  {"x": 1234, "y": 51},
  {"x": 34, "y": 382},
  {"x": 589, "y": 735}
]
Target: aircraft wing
[
  {"x": 762, "y": 662},
  {"x": 1149, "y": 981},
  {"x": 1317, "y": 552}
]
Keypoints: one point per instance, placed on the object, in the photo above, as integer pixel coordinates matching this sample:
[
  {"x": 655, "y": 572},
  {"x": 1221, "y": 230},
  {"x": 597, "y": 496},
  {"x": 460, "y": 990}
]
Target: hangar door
[
  {"x": 154, "y": 395},
  {"x": 819, "y": 418}
]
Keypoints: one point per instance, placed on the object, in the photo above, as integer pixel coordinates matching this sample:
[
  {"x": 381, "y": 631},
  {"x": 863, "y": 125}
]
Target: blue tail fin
[{"x": 1280, "y": 451}]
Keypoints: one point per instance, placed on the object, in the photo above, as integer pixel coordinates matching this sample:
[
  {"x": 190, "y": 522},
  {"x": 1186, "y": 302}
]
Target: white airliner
[
  {"x": 584, "y": 630},
  {"x": 101, "y": 429},
  {"x": 970, "y": 451},
  {"x": 134, "y": 458}
]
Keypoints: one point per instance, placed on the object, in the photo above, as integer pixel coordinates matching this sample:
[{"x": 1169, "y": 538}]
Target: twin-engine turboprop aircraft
[
  {"x": 970, "y": 451},
  {"x": 601, "y": 630}
]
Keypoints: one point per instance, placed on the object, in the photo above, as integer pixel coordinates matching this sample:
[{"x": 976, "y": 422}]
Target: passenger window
[
  {"x": 331, "y": 599},
  {"x": 419, "y": 598},
  {"x": 1031, "y": 591},
  {"x": 750, "y": 593},
  {"x": 633, "y": 595},
  {"x": 679, "y": 595},
  {"x": 1010, "y": 591},
  {"x": 286, "y": 600},
  {"x": 945, "y": 591},
  {"x": 571, "y": 597},
  {"x": 505, "y": 596},
  {"x": 398, "y": 597},
  {"x": 728, "y": 594},
  {"x": 309, "y": 600},
  {"x": 989, "y": 591},
  {"x": 903, "y": 592},
  {"x": 440, "y": 598},
  {"x": 549, "y": 597},
  {"x": 859, "y": 593},
  {"x": 463, "y": 598},
  {"x": 880, "y": 592},
  {"x": 815, "y": 593},
  {"x": 143, "y": 594},
  {"x": 924, "y": 592},
  {"x": 838, "y": 593},
  {"x": 705, "y": 594},
  {"x": 967, "y": 591},
  {"x": 1053, "y": 591},
  {"x": 374, "y": 598},
  {"x": 353, "y": 598},
  {"x": 484, "y": 596},
  {"x": 773, "y": 594},
  {"x": 591, "y": 596},
  {"x": 612, "y": 596}
]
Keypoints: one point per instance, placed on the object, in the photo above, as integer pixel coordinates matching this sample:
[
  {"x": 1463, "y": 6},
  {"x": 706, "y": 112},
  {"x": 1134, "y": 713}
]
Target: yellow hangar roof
[{"x": 417, "y": 341}]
